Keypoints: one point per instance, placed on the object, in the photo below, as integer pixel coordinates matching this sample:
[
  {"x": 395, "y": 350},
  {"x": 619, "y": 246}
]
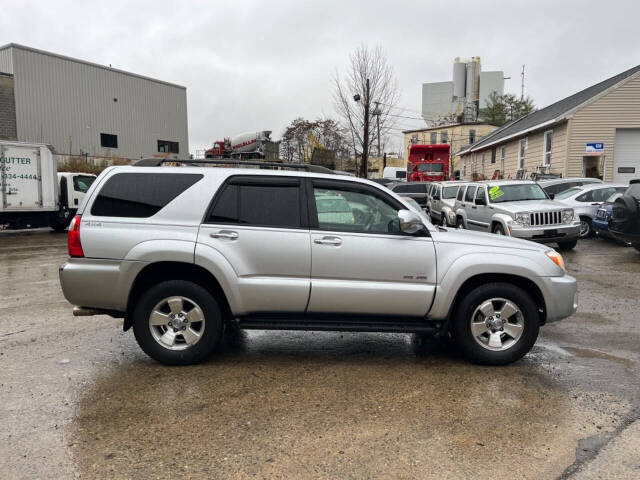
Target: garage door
[{"x": 626, "y": 162}]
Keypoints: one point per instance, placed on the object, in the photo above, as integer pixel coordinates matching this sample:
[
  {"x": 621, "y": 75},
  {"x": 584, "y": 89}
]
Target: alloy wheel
[
  {"x": 497, "y": 324},
  {"x": 177, "y": 323}
]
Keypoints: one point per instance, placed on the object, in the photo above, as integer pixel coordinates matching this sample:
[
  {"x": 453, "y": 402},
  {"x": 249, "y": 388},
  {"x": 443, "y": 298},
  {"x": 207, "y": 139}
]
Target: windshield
[
  {"x": 449, "y": 192},
  {"x": 81, "y": 183},
  {"x": 567, "y": 193},
  {"x": 516, "y": 193},
  {"x": 429, "y": 167}
]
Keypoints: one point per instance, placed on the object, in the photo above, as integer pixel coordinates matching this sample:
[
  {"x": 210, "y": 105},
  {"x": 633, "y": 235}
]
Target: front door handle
[
  {"x": 335, "y": 241},
  {"x": 474, "y": 207},
  {"x": 228, "y": 234}
]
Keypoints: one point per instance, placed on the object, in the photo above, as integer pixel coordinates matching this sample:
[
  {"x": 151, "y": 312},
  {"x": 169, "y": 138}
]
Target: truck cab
[
  {"x": 72, "y": 188},
  {"x": 428, "y": 163}
]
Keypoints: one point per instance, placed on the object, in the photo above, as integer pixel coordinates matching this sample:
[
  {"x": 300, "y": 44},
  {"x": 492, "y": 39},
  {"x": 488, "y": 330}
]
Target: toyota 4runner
[
  {"x": 182, "y": 252},
  {"x": 518, "y": 208}
]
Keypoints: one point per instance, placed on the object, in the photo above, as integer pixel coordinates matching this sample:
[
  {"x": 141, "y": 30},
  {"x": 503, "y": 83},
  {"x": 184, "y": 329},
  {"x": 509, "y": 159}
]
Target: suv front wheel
[
  {"x": 177, "y": 322},
  {"x": 496, "y": 324}
]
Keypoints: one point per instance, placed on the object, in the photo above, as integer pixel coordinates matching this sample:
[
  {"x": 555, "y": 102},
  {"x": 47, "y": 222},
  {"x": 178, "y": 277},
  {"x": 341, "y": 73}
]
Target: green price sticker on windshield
[{"x": 495, "y": 192}]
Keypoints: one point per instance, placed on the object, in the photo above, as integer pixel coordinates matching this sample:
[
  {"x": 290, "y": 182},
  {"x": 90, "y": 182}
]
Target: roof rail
[{"x": 157, "y": 162}]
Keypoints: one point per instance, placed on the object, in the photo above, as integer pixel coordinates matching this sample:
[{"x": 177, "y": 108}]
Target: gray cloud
[{"x": 257, "y": 65}]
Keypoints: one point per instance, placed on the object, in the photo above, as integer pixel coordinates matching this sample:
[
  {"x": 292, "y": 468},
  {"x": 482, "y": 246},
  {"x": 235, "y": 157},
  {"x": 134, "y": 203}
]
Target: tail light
[{"x": 73, "y": 241}]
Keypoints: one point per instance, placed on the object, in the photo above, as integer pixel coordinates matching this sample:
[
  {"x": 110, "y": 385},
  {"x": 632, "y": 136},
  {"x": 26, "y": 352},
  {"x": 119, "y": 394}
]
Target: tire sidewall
[
  {"x": 498, "y": 230},
  {"x": 589, "y": 231},
  {"x": 212, "y": 329},
  {"x": 461, "y": 324}
]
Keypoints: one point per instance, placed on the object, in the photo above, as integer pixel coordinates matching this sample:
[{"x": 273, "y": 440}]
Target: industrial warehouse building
[
  {"x": 593, "y": 133},
  {"x": 82, "y": 108}
]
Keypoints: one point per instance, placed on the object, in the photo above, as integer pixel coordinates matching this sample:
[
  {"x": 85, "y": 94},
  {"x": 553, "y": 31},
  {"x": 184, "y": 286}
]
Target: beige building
[
  {"x": 593, "y": 133},
  {"x": 459, "y": 136}
]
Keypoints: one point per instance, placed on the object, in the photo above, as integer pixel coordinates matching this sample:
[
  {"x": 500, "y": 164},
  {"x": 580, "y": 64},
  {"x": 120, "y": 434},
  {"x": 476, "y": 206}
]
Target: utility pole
[
  {"x": 376, "y": 112},
  {"x": 365, "y": 143},
  {"x": 522, "y": 85}
]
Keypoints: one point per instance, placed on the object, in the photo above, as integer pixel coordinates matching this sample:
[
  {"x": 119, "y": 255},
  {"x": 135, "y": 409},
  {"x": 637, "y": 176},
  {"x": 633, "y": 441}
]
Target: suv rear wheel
[
  {"x": 177, "y": 322},
  {"x": 496, "y": 324}
]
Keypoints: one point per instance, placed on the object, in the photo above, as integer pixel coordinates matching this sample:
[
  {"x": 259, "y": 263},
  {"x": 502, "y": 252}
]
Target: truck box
[{"x": 28, "y": 178}]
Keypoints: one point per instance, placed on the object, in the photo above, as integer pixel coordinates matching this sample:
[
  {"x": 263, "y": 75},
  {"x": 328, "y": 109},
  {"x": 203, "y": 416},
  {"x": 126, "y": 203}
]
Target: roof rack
[{"x": 157, "y": 162}]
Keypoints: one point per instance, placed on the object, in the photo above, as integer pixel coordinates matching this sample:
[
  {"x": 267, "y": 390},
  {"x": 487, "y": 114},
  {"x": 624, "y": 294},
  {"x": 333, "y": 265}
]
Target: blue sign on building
[{"x": 595, "y": 147}]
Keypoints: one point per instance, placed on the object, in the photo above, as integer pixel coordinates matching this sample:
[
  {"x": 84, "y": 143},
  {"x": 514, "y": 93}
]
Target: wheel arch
[{"x": 157, "y": 272}]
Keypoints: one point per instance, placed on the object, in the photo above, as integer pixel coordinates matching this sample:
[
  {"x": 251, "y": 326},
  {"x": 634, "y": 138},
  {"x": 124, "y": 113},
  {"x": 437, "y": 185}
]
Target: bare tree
[{"x": 364, "y": 99}]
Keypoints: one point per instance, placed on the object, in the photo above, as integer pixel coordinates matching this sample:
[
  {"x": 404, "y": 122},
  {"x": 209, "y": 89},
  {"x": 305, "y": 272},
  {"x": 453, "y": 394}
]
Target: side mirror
[
  {"x": 410, "y": 222},
  {"x": 552, "y": 196},
  {"x": 481, "y": 201}
]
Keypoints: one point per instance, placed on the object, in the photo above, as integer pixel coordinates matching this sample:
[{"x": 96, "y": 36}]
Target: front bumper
[
  {"x": 560, "y": 296},
  {"x": 600, "y": 225},
  {"x": 553, "y": 233}
]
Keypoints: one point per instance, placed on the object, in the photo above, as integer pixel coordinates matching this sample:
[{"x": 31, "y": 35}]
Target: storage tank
[
  {"x": 250, "y": 142},
  {"x": 472, "y": 87},
  {"x": 459, "y": 78}
]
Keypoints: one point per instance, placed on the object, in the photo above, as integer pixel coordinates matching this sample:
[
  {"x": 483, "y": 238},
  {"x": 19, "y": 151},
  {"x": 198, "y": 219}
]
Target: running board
[{"x": 340, "y": 324}]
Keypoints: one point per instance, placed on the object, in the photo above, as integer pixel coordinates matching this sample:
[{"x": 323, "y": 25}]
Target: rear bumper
[
  {"x": 562, "y": 233},
  {"x": 98, "y": 283},
  {"x": 600, "y": 225},
  {"x": 560, "y": 296}
]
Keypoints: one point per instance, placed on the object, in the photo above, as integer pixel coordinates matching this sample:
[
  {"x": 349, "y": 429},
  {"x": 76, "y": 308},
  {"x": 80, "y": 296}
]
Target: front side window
[
  {"x": 515, "y": 193},
  {"x": 81, "y": 183},
  {"x": 259, "y": 203},
  {"x": 351, "y": 209},
  {"x": 480, "y": 195},
  {"x": 140, "y": 195}
]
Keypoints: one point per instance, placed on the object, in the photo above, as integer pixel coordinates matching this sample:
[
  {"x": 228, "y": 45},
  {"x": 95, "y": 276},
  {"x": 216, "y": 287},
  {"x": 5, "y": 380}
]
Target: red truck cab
[
  {"x": 216, "y": 151},
  {"x": 428, "y": 163}
]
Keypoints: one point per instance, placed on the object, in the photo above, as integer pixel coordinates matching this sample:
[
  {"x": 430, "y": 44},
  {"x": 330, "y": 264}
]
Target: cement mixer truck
[{"x": 245, "y": 146}]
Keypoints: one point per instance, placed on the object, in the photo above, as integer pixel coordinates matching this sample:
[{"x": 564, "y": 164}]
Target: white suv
[{"x": 180, "y": 252}]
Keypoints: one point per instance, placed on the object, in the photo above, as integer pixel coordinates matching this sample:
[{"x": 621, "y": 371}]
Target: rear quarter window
[{"x": 140, "y": 195}]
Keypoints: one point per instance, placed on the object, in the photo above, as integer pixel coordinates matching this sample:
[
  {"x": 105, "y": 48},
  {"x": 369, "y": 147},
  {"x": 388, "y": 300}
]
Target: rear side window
[
  {"x": 140, "y": 195},
  {"x": 259, "y": 204},
  {"x": 471, "y": 191}
]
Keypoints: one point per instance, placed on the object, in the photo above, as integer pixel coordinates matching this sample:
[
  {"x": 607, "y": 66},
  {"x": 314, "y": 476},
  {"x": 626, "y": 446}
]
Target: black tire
[
  {"x": 636, "y": 246},
  {"x": 588, "y": 232},
  {"x": 459, "y": 222},
  {"x": 210, "y": 336},
  {"x": 568, "y": 245},
  {"x": 498, "y": 229},
  {"x": 461, "y": 324}
]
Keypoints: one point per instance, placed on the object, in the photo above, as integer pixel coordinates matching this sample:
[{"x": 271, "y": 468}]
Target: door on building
[
  {"x": 626, "y": 161},
  {"x": 592, "y": 166}
]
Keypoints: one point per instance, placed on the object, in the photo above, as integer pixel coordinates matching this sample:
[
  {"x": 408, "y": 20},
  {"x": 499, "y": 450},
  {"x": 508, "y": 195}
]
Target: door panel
[
  {"x": 361, "y": 262},
  {"x": 272, "y": 265}
]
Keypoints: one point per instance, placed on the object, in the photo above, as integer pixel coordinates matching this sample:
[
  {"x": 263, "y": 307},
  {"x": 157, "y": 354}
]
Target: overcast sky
[{"x": 253, "y": 65}]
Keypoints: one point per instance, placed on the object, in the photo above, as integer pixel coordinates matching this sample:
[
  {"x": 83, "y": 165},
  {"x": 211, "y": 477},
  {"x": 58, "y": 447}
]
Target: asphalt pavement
[{"x": 79, "y": 399}]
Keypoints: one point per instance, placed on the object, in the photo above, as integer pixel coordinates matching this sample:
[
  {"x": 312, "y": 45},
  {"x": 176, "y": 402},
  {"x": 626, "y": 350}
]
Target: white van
[{"x": 395, "y": 173}]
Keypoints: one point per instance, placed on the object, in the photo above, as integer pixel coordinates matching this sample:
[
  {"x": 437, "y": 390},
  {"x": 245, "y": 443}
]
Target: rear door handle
[
  {"x": 228, "y": 234},
  {"x": 474, "y": 207},
  {"x": 335, "y": 241}
]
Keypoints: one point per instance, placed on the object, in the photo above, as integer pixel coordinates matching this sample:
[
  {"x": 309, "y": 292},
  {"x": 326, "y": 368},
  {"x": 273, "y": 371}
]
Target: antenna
[{"x": 522, "y": 85}]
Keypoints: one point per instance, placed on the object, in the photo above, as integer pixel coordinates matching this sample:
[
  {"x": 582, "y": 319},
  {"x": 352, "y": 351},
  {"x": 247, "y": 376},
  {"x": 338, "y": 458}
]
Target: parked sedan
[
  {"x": 555, "y": 186},
  {"x": 585, "y": 201},
  {"x": 416, "y": 190},
  {"x": 600, "y": 223}
]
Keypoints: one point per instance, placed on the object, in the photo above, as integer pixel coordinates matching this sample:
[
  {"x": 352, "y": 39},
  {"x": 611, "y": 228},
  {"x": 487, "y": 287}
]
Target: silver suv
[
  {"x": 441, "y": 202},
  {"x": 518, "y": 208},
  {"x": 182, "y": 252}
]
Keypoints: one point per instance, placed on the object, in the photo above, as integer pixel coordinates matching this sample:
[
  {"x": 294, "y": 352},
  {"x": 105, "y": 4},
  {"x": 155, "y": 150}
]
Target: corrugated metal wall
[
  {"x": 69, "y": 104},
  {"x": 6, "y": 62}
]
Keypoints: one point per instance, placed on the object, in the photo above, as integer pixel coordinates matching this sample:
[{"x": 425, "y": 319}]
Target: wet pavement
[{"x": 79, "y": 399}]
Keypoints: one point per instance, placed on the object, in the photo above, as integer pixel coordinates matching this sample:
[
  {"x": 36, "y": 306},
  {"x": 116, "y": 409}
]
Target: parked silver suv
[
  {"x": 518, "y": 208},
  {"x": 180, "y": 252},
  {"x": 442, "y": 199}
]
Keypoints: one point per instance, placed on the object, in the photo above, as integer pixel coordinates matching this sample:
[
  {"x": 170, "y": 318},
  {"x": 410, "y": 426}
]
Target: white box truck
[{"x": 33, "y": 193}]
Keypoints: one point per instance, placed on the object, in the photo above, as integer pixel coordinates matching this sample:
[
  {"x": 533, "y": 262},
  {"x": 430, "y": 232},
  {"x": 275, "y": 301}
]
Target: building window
[
  {"x": 521, "y": 151},
  {"x": 165, "y": 146},
  {"x": 493, "y": 155},
  {"x": 546, "y": 154},
  {"x": 108, "y": 140},
  {"x": 444, "y": 137},
  {"x": 434, "y": 138},
  {"x": 472, "y": 136}
]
